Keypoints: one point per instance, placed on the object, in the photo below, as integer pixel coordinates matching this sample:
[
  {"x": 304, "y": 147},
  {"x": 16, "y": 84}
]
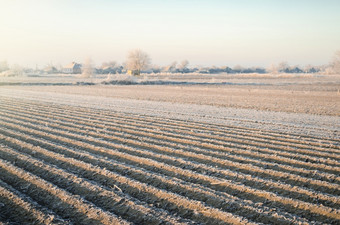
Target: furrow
[
  {"x": 18, "y": 208},
  {"x": 197, "y": 192},
  {"x": 259, "y": 162},
  {"x": 186, "y": 125},
  {"x": 243, "y": 130},
  {"x": 206, "y": 143},
  {"x": 192, "y": 137},
  {"x": 166, "y": 180},
  {"x": 177, "y": 128},
  {"x": 228, "y": 137},
  {"x": 288, "y": 178},
  {"x": 185, "y": 207},
  {"x": 60, "y": 201},
  {"x": 107, "y": 199},
  {"x": 270, "y": 196},
  {"x": 158, "y": 141}
]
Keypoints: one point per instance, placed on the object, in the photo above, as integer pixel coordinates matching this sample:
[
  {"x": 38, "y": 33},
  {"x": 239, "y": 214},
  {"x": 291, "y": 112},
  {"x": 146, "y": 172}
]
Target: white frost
[{"x": 300, "y": 124}]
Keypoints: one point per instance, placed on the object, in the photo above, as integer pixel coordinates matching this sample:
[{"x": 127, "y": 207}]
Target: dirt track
[{"x": 61, "y": 163}]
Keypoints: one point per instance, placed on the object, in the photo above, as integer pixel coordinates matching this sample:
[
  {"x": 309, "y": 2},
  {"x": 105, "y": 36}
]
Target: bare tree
[
  {"x": 283, "y": 67},
  {"x": 16, "y": 70},
  {"x": 335, "y": 64},
  {"x": 137, "y": 60},
  {"x": 171, "y": 67},
  {"x": 88, "y": 69},
  {"x": 238, "y": 68},
  {"x": 183, "y": 65},
  {"x": 309, "y": 68},
  {"x": 4, "y": 66},
  {"x": 273, "y": 69},
  {"x": 111, "y": 64}
]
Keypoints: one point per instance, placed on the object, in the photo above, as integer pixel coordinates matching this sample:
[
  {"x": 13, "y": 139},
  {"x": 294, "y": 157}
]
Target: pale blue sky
[{"x": 206, "y": 32}]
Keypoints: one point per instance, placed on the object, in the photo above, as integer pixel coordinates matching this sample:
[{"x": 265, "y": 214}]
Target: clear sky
[{"x": 205, "y": 32}]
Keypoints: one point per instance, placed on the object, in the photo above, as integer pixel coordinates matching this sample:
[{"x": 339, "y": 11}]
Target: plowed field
[{"x": 69, "y": 164}]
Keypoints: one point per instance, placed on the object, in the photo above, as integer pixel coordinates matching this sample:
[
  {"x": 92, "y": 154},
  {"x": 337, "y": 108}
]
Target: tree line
[{"x": 138, "y": 62}]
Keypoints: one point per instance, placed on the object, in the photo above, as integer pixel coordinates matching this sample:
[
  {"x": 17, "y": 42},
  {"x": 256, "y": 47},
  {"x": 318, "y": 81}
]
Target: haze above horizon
[{"x": 214, "y": 32}]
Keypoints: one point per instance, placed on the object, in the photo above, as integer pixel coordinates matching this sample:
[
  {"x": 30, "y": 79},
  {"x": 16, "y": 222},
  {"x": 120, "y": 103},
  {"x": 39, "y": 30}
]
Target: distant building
[{"x": 72, "y": 68}]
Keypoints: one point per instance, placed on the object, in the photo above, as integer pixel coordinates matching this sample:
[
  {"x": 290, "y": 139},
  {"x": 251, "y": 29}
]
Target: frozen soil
[
  {"x": 318, "y": 95},
  {"x": 169, "y": 154},
  {"x": 309, "y": 109}
]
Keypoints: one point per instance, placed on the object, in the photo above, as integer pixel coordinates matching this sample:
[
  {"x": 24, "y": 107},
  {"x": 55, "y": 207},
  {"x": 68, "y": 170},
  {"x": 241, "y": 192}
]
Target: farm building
[{"x": 72, "y": 68}]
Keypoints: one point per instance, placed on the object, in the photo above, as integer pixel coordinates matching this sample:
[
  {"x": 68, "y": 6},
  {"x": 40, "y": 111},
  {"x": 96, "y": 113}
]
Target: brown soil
[{"x": 65, "y": 164}]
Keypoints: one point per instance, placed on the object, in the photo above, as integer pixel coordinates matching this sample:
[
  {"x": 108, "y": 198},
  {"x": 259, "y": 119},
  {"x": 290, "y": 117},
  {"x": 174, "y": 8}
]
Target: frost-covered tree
[
  {"x": 16, "y": 70},
  {"x": 137, "y": 60},
  {"x": 273, "y": 69},
  {"x": 156, "y": 68},
  {"x": 111, "y": 64},
  {"x": 170, "y": 68},
  {"x": 109, "y": 67},
  {"x": 4, "y": 66},
  {"x": 87, "y": 68},
  {"x": 238, "y": 69},
  {"x": 335, "y": 64},
  {"x": 183, "y": 65},
  {"x": 283, "y": 67}
]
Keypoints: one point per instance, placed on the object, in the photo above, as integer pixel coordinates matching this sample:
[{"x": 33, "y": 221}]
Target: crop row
[{"x": 88, "y": 166}]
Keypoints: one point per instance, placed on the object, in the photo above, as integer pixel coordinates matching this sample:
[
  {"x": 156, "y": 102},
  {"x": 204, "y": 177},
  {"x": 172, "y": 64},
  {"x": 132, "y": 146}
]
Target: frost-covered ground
[
  {"x": 305, "y": 104},
  {"x": 173, "y": 79},
  {"x": 297, "y": 123},
  {"x": 238, "y": 152}
]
